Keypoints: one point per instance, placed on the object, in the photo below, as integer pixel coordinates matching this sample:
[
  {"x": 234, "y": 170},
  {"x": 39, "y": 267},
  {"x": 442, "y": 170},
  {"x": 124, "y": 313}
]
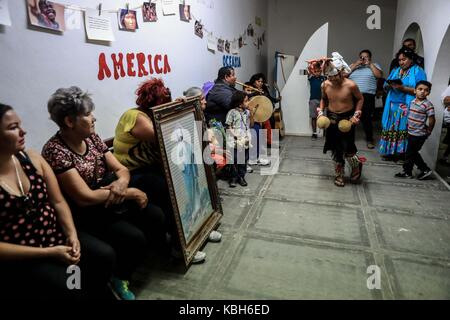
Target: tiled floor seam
[
  {"x": 227, "y": 258},
  {"x": 375, "y": 242},
  {"x": 438, "y": 176},
  {"x": 412, "y": 213},
  {"x": 333, "y": 244},
  {"x": 437, "y": 186}
]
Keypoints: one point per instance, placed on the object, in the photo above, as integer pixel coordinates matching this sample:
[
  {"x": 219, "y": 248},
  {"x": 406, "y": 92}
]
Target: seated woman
[
  {"x": 97, "y": 185},
  {"x": 135, "y": 147},
  {"x": 216, "y": 140},
  {"x": 38, "y": 239}
]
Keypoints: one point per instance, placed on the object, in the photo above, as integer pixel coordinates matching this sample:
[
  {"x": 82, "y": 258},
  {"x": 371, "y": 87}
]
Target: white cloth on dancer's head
[
  {"x": 337, "y": 65},
  {"x": 331, "y": 71}
]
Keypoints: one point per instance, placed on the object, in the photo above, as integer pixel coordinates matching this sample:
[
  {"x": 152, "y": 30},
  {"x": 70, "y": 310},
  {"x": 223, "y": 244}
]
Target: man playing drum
[{"x": 344, "y": 102}]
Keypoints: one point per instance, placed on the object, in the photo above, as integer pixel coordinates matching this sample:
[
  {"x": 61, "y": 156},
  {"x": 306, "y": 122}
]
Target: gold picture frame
[{"x": 192, "y": 184}]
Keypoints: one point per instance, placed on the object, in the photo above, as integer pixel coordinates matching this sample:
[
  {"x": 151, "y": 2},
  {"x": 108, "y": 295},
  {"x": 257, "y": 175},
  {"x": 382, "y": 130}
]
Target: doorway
[{"x": 439, "y": 141}]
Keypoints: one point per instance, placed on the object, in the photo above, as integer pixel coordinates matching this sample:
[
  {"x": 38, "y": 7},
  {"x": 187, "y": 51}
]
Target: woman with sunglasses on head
[{"x": 38, "y": 239}]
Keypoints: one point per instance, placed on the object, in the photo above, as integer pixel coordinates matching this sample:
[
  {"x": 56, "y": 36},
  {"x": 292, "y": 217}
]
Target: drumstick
[{"x": 255, "y": 108}]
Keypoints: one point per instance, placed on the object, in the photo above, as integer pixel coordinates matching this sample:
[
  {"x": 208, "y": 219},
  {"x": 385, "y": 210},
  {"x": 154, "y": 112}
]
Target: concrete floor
[{"x": 295, "y": 235}]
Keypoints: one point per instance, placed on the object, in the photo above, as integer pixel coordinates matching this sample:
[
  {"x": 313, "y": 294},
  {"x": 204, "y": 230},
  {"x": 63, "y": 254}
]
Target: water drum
[{"x": 261, "y": 107}]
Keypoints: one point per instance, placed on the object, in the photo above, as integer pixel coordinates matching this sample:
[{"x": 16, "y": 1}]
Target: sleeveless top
[
  {"x": 29, "y": 222},
  {"x": 130, "y": 151}
]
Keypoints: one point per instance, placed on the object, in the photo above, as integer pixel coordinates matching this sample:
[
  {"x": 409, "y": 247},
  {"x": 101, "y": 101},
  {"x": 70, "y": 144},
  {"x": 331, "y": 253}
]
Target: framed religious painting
[{"x": 189, "y": 173}]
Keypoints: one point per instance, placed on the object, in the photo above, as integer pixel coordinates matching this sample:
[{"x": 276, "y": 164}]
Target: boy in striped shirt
[{"x": 421, "y": 110}]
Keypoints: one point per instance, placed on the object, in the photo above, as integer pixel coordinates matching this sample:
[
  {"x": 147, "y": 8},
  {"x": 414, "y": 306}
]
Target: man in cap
[{"x": 344, "y": 102}]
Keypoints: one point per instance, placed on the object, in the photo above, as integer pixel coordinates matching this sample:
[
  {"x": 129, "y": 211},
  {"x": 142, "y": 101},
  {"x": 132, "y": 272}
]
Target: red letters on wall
[{"x": 138, "y": 65}]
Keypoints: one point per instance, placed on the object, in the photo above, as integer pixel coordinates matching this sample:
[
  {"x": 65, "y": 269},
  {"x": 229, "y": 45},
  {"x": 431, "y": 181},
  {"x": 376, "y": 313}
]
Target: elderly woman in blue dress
[{"x": 394, "y": 136}]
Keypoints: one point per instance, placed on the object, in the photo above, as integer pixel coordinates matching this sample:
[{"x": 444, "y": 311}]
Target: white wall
[
  {"x": 34, "y": 63},
  {"x": 433, "y": 18},
  {"x": 297, "y": 89},
  {"x": 292, "y": 23}
]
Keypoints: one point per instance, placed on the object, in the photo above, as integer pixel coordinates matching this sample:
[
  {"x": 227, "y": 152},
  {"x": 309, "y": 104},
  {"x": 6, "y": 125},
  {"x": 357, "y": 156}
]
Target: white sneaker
[
  {"x": 263, "y": 162},
  {"x": 249, "y": 169},
  {"x": 252, "y": 162},
  {"x": 215, "y": 236},
  {"x": 200, "y": 256}
]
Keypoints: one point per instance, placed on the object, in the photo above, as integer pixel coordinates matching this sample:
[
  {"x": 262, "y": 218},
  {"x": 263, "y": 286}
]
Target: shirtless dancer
[{"x": 344, "y": 102}]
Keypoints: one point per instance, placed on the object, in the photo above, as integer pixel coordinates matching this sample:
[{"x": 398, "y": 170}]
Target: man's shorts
[{"x": 313, "y": 105}]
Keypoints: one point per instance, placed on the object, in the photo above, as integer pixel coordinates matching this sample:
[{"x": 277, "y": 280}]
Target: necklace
[
  {"x": 11, "y": 190},
  {"x": 25, "y": 202},
  {"x": 18, "y": 178},
  {"x": 404, "y": 74}
]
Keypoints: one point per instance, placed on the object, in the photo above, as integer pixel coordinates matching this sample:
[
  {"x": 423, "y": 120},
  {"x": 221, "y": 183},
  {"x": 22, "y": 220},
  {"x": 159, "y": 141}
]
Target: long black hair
[
  {"x": 258, "y": 76},
  {"x": 407, "y": 52}
]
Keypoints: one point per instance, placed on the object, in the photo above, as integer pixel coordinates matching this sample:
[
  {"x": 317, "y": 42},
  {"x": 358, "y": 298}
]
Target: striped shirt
[
  {"x": 364, "y": 78},
  {"x": 446, "y": 116},
  {"x": 239, "y": 121},
  {"x": 419, "y": 111}
]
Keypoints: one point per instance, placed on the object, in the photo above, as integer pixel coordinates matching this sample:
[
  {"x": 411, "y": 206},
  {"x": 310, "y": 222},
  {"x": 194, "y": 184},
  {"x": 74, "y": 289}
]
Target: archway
[
  {"x": 441, "y": 80},
  {"x": 414, "y": 32},
  {"x": 296, "y": 91}
]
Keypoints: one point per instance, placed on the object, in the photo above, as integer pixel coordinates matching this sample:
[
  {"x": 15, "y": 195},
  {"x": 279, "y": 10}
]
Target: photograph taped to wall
[
  {"x": 241, "y": 42},
  {"x": 220, "y": 45},
  {"x": 46, "y": 14},
  {"x": 149, "y": 12},
  {"x": 185, "y": 12},
  {"x": 250, "y": 31},
  {"x": 227, "y": 46},
  {"x": 5, "y": 18},
  {"x": 127, "y": 20},
  {"x": 191, "y": 183},
  {"x": 198, "y": 29}
]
